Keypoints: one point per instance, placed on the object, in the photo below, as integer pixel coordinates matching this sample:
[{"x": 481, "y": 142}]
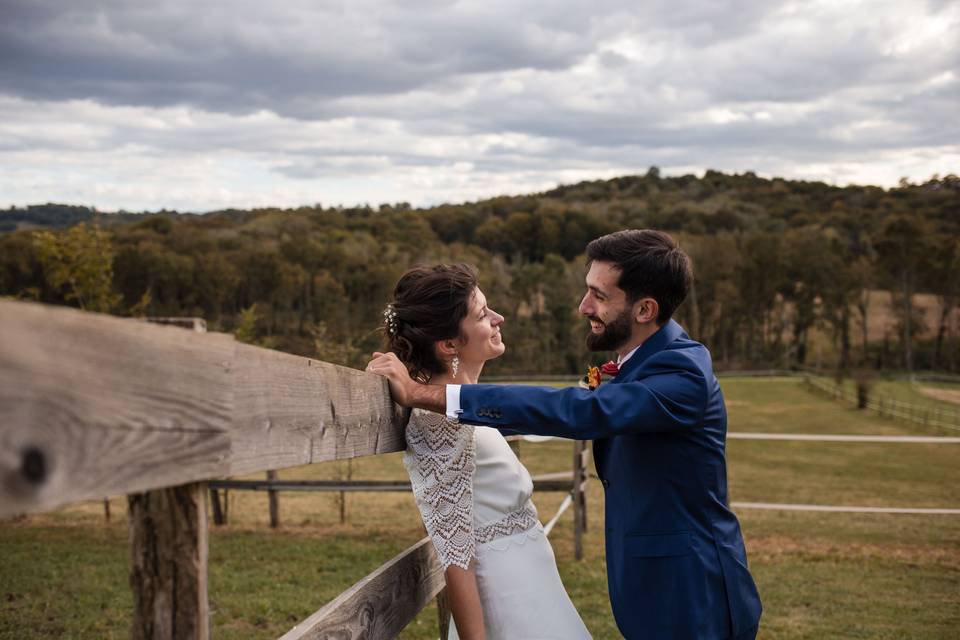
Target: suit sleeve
[{"x": 671, "y": 395}]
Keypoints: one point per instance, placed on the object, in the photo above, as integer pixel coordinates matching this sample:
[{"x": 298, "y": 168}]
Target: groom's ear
[{"x": 645, "y": 310}]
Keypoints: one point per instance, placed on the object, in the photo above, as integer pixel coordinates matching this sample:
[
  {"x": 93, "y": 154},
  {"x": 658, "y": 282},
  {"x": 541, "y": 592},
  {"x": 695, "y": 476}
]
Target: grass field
[
  {"x": 932, "y": 395},
  {"x": 821, "y": 575}
]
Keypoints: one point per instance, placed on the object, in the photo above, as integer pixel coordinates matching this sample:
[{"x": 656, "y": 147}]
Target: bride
[{"x": 472, "y": 491}]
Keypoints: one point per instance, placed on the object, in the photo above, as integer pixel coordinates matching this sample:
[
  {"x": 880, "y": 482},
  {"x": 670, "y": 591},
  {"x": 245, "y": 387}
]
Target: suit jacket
[{"x": 676, "y": 562}]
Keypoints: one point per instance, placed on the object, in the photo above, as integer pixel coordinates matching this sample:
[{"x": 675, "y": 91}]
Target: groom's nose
[{"x": 585, "y": 307}]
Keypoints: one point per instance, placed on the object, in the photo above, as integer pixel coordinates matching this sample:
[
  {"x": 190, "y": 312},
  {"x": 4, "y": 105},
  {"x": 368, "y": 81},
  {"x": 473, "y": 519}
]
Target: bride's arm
[
  {"x": 465, "y": 601},
  {"x": 440, "y": 459}
]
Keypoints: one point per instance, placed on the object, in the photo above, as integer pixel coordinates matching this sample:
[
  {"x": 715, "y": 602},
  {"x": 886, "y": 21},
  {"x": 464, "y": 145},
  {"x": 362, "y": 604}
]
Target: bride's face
[{"x": 480, "y": 338}]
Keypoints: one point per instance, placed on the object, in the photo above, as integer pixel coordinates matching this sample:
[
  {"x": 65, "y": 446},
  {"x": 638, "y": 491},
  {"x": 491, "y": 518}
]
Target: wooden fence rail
[
  {"x": 928, "y": 416},
  {"x": 93, "y": 406}
]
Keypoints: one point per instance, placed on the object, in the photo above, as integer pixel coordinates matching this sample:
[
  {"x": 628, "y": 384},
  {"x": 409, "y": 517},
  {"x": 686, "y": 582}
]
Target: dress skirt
[{"x": 521, "y": 592}]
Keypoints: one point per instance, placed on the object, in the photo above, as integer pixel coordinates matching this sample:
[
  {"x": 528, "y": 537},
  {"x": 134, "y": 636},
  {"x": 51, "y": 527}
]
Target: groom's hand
[
  {"x": 389, "y": 366},
  {"x": 405, "y": 390}
]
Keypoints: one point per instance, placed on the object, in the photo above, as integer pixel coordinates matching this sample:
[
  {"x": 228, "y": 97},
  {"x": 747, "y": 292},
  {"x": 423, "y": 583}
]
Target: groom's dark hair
[{"x": 651, "y": 264}]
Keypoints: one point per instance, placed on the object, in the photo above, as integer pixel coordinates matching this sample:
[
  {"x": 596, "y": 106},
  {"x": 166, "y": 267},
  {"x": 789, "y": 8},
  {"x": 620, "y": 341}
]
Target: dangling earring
[{"x": 455, "y": 364}]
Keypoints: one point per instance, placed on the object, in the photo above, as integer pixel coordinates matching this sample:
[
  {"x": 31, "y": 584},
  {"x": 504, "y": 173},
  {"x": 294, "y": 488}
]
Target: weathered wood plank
[
  {"x": 168, "y": 563},
  {"x": 382, "y": 604},
  {"x": 292, "y": 411},
  {"x": 93, "y": 405}
]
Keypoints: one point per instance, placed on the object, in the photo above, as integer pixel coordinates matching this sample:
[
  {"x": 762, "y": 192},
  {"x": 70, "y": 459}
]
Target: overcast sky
[{"x": 241, "y": 103}]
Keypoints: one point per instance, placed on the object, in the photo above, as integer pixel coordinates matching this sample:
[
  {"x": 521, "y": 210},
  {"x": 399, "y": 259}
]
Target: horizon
[{"x": 698, "y": 175}]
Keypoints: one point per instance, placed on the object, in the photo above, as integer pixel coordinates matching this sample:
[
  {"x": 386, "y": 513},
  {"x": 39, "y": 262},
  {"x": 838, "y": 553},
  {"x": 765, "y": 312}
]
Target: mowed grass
[
  {"x": 921, "y": 394},
  {"x": 821, "y": 575}
]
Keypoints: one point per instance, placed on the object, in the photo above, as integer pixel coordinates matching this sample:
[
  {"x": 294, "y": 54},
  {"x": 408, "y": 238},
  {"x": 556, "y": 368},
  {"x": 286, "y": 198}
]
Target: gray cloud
[
  {"x": 241, "y": 56},
  {"x": 450, "y": 100}
]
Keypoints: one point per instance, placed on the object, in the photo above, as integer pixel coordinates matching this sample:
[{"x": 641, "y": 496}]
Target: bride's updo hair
[{"x": 429, "y": 302}]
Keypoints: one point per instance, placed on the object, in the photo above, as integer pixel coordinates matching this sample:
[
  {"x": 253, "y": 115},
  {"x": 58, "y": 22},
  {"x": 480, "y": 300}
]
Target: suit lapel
[{"x": 655, "y": 343}]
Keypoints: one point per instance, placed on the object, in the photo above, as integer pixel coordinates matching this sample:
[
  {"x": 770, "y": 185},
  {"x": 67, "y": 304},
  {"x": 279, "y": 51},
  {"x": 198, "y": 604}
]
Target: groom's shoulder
[{"x": 684, "y": 353}]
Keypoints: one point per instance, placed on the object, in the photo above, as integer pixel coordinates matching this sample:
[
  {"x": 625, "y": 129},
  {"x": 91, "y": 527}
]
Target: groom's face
[{"x": 605, "y": 306}]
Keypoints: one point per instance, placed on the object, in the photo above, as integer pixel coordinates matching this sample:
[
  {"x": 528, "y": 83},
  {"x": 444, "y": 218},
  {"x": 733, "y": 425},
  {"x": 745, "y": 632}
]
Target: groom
[{"x": 676, "y": 562}]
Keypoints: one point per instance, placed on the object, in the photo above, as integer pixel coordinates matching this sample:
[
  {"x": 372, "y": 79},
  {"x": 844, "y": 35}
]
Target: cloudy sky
[{"x": 203, "y": 105}]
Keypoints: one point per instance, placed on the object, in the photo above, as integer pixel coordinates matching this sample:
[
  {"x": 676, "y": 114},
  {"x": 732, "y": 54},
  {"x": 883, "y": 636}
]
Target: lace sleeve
[{"x": 440, "y": 459}]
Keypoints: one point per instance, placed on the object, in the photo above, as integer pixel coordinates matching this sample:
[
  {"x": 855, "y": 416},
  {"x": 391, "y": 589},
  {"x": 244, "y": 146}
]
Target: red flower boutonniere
[{"x": 610, "y": 369}]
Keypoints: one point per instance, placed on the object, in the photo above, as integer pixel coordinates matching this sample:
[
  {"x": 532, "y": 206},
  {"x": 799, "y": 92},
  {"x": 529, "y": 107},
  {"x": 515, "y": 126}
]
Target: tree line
[{"x": 779, "y": 265}]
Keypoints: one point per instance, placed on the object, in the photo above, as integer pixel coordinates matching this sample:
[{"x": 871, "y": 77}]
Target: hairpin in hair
[{"x": 390, "y": 317}]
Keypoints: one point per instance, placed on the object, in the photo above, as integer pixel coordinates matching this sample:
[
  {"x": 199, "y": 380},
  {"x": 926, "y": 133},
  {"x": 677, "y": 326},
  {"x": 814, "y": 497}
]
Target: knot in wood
[{"x": 33, "y": 465}]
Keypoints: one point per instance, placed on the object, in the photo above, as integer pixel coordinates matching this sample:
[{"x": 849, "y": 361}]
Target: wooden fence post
[
  {"x": 274, "y": 502},
  {"x": 168, "y": 573},
  {"x": 443, "y": 613},
  {"x": 217, "y": 508},
  {"x": 579, "y": 499},
  {"x": 169, "y": 543}
]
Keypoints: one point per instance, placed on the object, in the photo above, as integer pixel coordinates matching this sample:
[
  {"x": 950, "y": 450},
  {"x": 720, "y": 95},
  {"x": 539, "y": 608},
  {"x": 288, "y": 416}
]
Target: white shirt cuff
[{"x": 453, "y": 401}]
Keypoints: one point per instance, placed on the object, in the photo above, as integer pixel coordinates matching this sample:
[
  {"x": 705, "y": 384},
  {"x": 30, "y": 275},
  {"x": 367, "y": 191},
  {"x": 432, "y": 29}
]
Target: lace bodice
[{"x": 468, "y": 484}]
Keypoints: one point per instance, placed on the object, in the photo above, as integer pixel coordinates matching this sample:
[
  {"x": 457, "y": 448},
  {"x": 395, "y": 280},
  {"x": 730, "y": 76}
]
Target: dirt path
[{"x": 944, "y": 395}]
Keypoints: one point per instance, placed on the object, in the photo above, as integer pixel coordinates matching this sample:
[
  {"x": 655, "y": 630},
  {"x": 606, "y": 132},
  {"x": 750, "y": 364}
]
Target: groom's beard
[{"x": 615, "y": 333}]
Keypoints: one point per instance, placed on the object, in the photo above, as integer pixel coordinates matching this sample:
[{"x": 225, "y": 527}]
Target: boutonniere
[
  {"x": 595, "y": 375},
  {"x": 592, "y": 380}
]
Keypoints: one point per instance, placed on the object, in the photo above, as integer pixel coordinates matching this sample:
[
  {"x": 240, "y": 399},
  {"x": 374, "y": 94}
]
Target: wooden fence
[
  {"x": 573, "y": 482},
  {"x": 93, "y": 406},
  {"x": 934, "y": 416}
]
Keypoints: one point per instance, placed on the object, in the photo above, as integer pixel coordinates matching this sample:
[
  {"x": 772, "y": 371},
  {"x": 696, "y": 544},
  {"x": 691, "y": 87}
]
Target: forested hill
[
  {"x": 775, "y": 260},
  {"x": 715, "y": 202}
]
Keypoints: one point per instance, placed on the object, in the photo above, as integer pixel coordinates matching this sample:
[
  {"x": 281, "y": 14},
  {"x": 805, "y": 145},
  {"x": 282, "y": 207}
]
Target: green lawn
[
  {"x": 821, "y": 575},
  {"x": 929, "y": 395}
]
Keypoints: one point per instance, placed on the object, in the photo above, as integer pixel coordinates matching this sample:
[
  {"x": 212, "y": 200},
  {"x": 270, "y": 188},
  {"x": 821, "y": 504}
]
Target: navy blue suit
[{"x": 676, "y": 563}]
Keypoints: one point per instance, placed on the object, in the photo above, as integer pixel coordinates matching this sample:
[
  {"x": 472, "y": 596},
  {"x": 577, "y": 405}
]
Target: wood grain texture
[
  {"x": 168, "y": 563},
  {"x": 292, "y": 411},
  {"x": 382, "y": 604},
  {"x": 443, "y": 613},
  {"x": 93, "y": 406}
]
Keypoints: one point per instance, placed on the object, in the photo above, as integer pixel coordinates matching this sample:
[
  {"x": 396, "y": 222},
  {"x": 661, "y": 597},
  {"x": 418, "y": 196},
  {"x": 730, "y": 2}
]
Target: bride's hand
[{"x": 389, "y": 366}]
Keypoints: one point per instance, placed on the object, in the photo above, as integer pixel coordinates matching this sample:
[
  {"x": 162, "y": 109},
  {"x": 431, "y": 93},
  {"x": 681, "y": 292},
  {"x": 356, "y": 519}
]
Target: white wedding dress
[{"x": 474, "y": 497}]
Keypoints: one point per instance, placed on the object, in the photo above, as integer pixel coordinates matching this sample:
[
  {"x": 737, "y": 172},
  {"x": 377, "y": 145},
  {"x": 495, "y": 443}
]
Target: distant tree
[
  {"x": 904, "y": 249},
  {"x": 79, "y": 262},
  {"x": 943, "y": 279}
]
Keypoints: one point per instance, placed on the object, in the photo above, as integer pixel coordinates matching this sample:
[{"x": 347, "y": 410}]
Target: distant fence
[
  {"x": 573, "y": 482},
  {"x": 929, "y": 416}
]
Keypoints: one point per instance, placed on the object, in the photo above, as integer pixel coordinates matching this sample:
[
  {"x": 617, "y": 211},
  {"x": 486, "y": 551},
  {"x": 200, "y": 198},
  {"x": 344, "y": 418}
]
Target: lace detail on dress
[
  {"x": 516, "y": 522},
  {"x": 441, "y": 460}
]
